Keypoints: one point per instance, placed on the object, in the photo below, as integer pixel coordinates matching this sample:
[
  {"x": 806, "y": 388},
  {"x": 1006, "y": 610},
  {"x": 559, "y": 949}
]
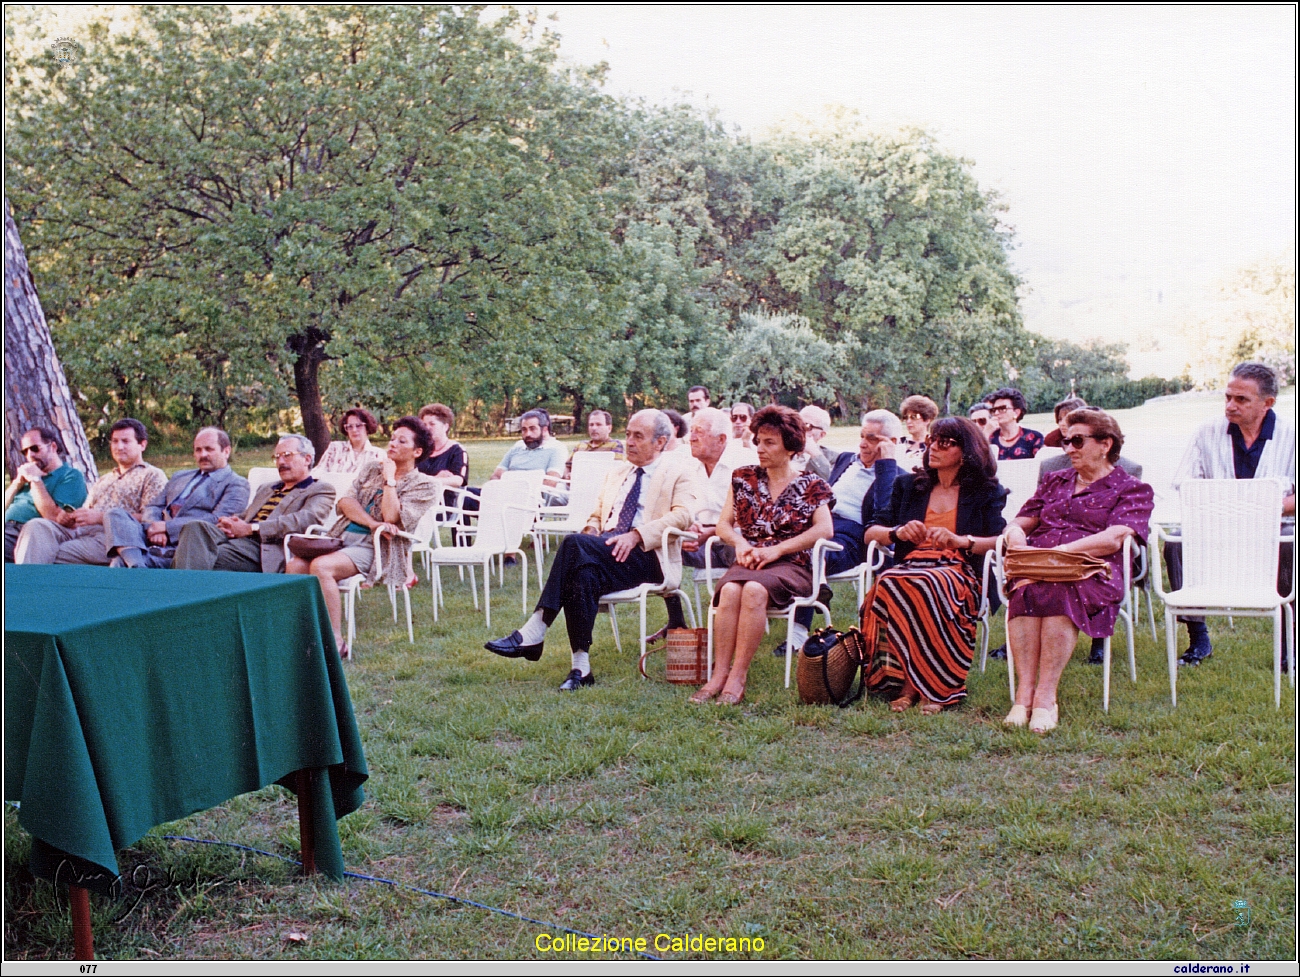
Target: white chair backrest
[
  {"x": 525, "y": 487},
  {"x": 1020, "y": 475},
  {"x": 342, "y": 482},
  {"x": 503, "y": 517},
  {"x": 1044, "y": 453},
  {"x": 589, "y": 471},
  {"x": 1230, "y": 530},
  {"x": 257, "y": 477}
]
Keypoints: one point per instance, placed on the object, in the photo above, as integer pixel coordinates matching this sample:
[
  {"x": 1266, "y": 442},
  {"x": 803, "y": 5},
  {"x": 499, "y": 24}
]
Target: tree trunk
[
  {"x": 309, "y": 347},
  {"x": 36, "y": 391}
]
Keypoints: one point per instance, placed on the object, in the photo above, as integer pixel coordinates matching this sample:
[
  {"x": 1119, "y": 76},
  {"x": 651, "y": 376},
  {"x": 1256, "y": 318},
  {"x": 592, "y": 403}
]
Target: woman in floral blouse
[
  {"x": 1011, "y": 440},
  {"x": 352, "y": 454},
  {"x": 773, "y": 515}
]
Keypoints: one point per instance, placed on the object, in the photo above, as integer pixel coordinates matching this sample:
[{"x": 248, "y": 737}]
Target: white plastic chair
[
  {"x": 1230, "y": 555},
  {"x": 819, "y": 551},
  {"x": 257, "y": 477},
  {"x": 342, "y": 482},
  {"x": 502, "y": 524},
  {"x": 1125, "y": 615},
  {"x": 588, "y": 475},
  {"x": 864, "y": 573},
  {"x": 708, "y": 575},
  {"x": 1020, "y": 476},
  {"x": 671, "y": 564}
]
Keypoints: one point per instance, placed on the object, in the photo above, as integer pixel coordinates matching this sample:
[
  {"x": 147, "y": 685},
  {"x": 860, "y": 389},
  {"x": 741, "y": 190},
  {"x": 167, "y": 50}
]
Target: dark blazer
[
  {"x": 876, "y": 502},
  {"x": 979, "y": 513},
  {"x": 223, "y": 493}
]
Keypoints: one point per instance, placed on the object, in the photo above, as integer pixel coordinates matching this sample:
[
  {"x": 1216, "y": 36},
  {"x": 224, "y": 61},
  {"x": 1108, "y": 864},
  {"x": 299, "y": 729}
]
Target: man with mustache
[{"x": 253, "y": 541}]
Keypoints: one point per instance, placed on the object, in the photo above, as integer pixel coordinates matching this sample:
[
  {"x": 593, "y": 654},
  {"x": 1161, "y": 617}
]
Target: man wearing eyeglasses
[
  {"x": 42, "y": 487},
  {"x": 252, "y": 542},
  {"x": 740, "y": 449}
]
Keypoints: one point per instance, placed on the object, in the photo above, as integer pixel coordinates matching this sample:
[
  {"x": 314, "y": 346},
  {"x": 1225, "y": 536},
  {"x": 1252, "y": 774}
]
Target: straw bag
[
  {"x": 1027, "y": 564},
  {"x": 686, "y": 653},
  {"x": 828, "y": 663}
]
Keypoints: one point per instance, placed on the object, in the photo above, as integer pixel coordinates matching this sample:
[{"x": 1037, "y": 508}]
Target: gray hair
[
  {"x": 717, "y": 420},
  {"x": 223, "y": 438},
  {"x": 537, "y": 414},
  {"x": 661, "y": 426},
  {"x": 890, "y": 425},
  {"x": 980, "y": 406},
  {"x": 815, "y": 416},
  {"x": 302, "y": 445},
  {"x": 1264, "y": 377}
]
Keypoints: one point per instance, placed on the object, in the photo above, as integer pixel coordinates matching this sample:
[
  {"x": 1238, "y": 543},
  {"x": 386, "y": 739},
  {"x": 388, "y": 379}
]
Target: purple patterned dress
[
  {"x": 764, "y": 521},
  {"x": 1119, "y": 499}
]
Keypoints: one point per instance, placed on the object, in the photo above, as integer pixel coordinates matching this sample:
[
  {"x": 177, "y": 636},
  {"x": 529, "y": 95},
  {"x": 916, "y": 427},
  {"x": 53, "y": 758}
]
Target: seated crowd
[{"x": 754, "y": 491}]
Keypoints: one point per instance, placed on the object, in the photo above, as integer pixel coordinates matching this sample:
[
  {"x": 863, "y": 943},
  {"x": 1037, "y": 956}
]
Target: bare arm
[
  {"x": 1288, "y": 505},
  {"x": 1018, "y": 529}
]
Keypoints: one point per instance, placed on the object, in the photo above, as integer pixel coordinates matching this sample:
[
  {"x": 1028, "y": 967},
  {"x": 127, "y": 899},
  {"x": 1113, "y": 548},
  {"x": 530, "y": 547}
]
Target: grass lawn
[{"x": 623, "y": 810}]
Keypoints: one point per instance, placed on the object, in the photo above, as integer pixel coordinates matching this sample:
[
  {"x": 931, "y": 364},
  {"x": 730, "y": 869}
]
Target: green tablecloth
[{"x": 136, "y": 697}]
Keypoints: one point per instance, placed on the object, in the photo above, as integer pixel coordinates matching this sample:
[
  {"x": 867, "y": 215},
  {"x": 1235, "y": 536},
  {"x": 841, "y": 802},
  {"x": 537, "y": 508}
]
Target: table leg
[
  {"x": 83, "y": 938},
  {"x": 306, "y": 823}
]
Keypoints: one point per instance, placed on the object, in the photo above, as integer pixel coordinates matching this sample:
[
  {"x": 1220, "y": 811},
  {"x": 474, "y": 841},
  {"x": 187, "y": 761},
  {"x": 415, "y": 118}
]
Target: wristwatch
[
  {"x": 256, "y": 527},
  {"x": 391, "y": 482},
  {"x": 893, "y": 536}
]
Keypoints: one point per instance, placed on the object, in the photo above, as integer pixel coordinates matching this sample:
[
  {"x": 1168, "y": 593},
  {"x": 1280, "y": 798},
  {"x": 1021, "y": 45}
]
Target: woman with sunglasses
[
  {"x": 1012, "y": 440},
  {"x": 918, "y": 413},
  {"x": 924, "y": 609},
  {"x": 1088, "y": 508}
]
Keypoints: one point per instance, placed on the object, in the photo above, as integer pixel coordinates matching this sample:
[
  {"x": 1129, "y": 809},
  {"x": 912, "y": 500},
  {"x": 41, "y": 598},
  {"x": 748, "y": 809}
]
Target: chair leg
[
  {"x": 1171, "y": 650},
  {"x": 699, "y": 608},
  {"x": 1288, "y": 639},
  {"x": 410, "y": 627},
  {"x": 708, "y": 670},
  {"x": 789, "y": 644},
  {"x": 643, "y": 636},
  {"x": 392, "y": 599},
  {"x": 1151, "y": 613},
  {"x": 1105, "y": 674},
  {"x": 487, "y": 591},
  {"x": 1277, "y": 658},
  {"x": 686, "y": 602},
  {"x": 473, "y": 583},
  {"x": 613, "y": 626}
]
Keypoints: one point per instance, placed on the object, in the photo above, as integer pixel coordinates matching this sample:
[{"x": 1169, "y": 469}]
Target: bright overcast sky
[{"x": 1142, "y": 152}]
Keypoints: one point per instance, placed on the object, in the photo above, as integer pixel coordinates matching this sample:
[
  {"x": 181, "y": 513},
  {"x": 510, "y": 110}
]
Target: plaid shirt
[{"x": 131, "y": 490}]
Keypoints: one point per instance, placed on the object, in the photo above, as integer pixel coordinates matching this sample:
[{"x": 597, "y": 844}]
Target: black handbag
[{"x": 828, "y": 663}]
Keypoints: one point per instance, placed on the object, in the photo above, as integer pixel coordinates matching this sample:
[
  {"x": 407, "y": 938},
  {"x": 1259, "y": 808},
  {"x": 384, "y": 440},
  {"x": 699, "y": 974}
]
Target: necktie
[
  {"x": 628, "y": 512},
  {"x": 190, "y": 486}
]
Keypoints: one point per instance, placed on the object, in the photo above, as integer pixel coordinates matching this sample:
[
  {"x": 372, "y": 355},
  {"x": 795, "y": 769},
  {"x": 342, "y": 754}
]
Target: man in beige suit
[
  {"x": 253, "y": 541},
  {"x": 650, "y": 492}
]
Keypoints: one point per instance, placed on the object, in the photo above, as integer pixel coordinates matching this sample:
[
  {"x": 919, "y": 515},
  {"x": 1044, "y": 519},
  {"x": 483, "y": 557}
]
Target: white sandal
[
  {"x": 1018, "y": 716},
  {"x": 1044, "y": 720}
]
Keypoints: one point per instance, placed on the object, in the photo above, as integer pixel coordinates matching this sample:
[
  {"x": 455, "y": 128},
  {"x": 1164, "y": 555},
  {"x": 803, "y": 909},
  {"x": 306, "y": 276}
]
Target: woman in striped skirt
[{"x": 941, "y": 522}]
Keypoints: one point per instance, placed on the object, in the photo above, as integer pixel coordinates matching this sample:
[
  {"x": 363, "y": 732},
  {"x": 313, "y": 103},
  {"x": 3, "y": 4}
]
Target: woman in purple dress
[
  {"x": 773, "y": 516},
  {"x": 1089, "y": 508}
]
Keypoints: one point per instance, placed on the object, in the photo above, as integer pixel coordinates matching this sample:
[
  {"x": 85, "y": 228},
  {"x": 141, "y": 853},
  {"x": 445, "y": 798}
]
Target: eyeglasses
[
  {"x": 913, "y": 417},
  {"x": 943, "y": 443},
  {"x": 284, "y": 455},
  {"x": 737, "y": 418},
  {"x": 1077, "y": 441}
]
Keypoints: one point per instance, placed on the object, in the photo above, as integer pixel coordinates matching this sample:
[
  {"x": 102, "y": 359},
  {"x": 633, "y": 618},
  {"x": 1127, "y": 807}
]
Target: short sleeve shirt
[
  {"x": 546, "y": 457},
  {"x": 452, "y": 460},
  {"x": 66, "y": 486},
  {"x": 763, "y": 520}
]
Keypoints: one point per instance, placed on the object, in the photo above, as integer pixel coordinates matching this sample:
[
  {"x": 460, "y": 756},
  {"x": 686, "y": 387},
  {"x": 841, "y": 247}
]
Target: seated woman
[
  {"x": 392, "y": 494},
  {"x": 944, "y": 518},
  {"x": 1088, "y": 508},
  {"x": 918, "y": 414},
  {"x": 773, "y": 515},
  {"x": 349, "y": 455}
]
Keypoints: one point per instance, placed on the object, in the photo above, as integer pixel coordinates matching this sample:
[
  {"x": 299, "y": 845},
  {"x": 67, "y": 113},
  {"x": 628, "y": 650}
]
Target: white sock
[
  {"x": 582, "y": 662},
  {"x": 534, "y": 631},
  {"x": 798, "y": 635}
]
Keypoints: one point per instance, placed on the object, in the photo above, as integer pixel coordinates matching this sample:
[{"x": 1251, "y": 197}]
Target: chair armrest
[{"x": 819, "y": 551}]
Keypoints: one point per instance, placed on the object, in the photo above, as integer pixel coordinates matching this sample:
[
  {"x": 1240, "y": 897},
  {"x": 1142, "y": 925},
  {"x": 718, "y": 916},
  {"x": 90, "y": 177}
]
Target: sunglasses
[
  {"x": 37, "y": 448},
  {"x": 913, "y": 417},
  {"x": 739, "y": 417},
  {"x": 943, "y": 443},
  {"x": 1078, "y": 440},
  {"x": 1001, "y": 410}
]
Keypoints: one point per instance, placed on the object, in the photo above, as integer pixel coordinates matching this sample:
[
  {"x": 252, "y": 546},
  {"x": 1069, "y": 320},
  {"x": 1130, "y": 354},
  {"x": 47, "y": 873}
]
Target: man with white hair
[
  {"x": 863, "y": 482},
  {"x": 253, "y": 541},
  {"x": 815, "y": 458},
  {"x": 619, "y": 548}
]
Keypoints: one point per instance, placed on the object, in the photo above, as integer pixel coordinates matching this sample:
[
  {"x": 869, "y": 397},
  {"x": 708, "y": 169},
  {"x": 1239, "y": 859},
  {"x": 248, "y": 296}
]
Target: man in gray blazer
[
  {"x": 202, "y": 495},
  {"x": 253, "y": 541}
]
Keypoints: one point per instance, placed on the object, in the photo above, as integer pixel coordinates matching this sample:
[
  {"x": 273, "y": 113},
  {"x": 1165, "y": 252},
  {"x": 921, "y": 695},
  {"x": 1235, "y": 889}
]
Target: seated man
[
  {"x": 43, "y": 486},
  {"x": 815, "y": 458},
  {"x": 78, "y": 536},
  {"x": 863, "y": 484},
  {"x": 740, "y": 449},
  {"x": 254, "y": 541},
  {"x": 1251, "y": 440},
  {"x": 536, "y": 451},
  {"x": 211, "y": 491},
  {"x": 618, "y": 548},
  {"x": 599, "y": 425}
]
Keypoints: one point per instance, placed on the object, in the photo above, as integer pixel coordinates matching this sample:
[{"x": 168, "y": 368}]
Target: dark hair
[
  {"x": 141, "y": 434},
  {"x": 1102, "y": 425},
  {"x": 423, "y": 439},
  {"x": 977, "y": 464},
  {"x": 784, "y": 420},
  {"x": 609, "y": 418},
  {"x": 678, "y": 422},
  {"x": 537, "y": 414},
  {"x": 441, "y": 411},
  {"x": 1067, "y": 405},
  {"x": 1264, "y": 377},
  {"x": 919, "y": 404},
  {"x": 707, "y": 396},
  {"x": 223, "y": 439},
  {"x": 1012, "y": 394},
  {"x": 364, "y": 416},
  {"x": 48, "y": 436}
]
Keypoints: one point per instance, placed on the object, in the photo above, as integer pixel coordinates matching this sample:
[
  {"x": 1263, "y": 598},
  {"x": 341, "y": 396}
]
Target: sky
[{"x": 1143, "y": 153}]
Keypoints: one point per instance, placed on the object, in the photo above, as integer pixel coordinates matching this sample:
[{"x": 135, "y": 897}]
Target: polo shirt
[
  {"x": 66, "y": 486},
  {"x": 546, "y": 457}
]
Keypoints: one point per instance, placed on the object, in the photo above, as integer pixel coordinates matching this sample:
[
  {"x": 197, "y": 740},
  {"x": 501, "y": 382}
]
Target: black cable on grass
[{"x": 409, "y": 888}]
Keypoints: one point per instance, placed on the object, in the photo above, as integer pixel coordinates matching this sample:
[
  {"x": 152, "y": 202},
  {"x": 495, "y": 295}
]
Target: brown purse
[
  {"x": 309, "y": 547},
  {"x": 1030, "y": 565}
]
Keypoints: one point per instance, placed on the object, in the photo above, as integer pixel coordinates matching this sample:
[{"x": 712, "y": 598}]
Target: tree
[
  {"x": 780, "y": 356},
  {"x": 36, "y": 392}
]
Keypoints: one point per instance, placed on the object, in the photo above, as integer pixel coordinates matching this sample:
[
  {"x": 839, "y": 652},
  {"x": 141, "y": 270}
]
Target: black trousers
[
  {"x": 583, "y": 570},
  {"x": 1174, "y": 564}
]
